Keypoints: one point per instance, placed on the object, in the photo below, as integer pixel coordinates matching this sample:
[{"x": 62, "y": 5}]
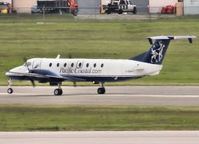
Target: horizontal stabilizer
[{"x": 170, "y": 38}]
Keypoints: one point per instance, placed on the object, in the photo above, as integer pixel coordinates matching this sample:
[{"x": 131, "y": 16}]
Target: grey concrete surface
[
  {"x": 89, "y": 6},
  {"x": 122, "y": 16},
  {"x": 102, "y": 137},
  {"x": 117, "y": 95}
]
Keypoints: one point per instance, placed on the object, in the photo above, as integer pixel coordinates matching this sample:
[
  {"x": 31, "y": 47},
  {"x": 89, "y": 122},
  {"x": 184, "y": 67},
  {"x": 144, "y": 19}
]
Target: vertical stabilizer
[{"x": 157, "y": 51}]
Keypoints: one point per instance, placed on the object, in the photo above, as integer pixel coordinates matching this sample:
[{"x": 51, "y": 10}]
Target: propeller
[
  {"x": 74, "y": 84},
  {"x": 26, "y": 65},
  {"x": 25, "y": 61},
  {"x": 33, "y": 82}
]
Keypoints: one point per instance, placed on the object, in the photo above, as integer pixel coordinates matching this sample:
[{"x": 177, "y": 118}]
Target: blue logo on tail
[{"x": 157, "y": 52}]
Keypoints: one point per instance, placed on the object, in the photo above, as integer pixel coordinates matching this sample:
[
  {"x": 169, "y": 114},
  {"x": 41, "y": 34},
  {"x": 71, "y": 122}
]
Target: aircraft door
[{"x": 79, "y": 64}]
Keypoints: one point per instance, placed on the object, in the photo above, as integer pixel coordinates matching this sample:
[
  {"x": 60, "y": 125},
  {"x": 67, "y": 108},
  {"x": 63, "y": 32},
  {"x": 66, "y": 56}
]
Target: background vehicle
[
  {"x": 55, "y": 6},
  {"x": 34, "y": 9},
  {"x": 120, "y": 6},
  {"x": 4, "y": 8}
]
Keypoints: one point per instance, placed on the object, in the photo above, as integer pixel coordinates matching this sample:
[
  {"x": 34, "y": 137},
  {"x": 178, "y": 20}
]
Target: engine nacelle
[{"x": 53, "y": 84}]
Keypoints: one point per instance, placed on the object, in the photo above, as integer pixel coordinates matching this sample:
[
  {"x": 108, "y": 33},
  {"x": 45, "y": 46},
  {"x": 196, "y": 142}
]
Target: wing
[{"x": 46, "y": 74}]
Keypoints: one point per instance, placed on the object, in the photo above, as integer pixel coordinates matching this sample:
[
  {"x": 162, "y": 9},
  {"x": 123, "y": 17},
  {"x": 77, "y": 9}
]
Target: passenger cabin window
[
  {"x": 87, "y": 65},
  {"x": 50, "y": 64},
  {"x": 57, "y": 64},
  {"x": 102, "y": 65},
  {"x": 80, "y": 64},
  {"x": 72, "y": 64},
  {"x": 65, "y": 64},
  {"x": 94, "y": 65}
]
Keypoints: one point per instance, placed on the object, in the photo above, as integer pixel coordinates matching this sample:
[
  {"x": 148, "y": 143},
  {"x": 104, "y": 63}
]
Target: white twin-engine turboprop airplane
[{"x": 57, "y": 70}]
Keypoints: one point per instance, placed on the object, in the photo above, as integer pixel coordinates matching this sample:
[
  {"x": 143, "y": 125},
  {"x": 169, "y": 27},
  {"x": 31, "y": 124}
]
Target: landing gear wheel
[
  {"x": 101, "y": 90},
  {"x": 75, "y": 11},
  {"x": 108, "y": 11},
  {"x": 120, "y": 11},
  {"x": 135, "y": 10},
  {"x": 58, "y": 92},
  {"x": 10, "y": 90}
]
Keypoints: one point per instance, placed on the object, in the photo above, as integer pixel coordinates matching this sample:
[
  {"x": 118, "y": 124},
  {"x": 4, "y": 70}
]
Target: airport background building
[
  {"x": 143, "y": 6},
  {"x": 92, "y": 6},
  {"x": 85, "y": 6},
  {"x": 191, "y": 7},
  {"x": 23, "y": 6},
  {"x": 89, "y": 6}
]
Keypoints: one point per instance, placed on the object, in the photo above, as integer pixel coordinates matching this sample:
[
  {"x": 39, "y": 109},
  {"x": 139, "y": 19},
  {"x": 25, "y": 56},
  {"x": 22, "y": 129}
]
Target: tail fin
[{"x": 156, "y": 53}]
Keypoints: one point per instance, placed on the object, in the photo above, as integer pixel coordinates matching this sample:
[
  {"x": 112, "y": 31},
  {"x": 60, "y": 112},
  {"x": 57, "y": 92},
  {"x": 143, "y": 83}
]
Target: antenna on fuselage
[{"x": 58, "y": 56}]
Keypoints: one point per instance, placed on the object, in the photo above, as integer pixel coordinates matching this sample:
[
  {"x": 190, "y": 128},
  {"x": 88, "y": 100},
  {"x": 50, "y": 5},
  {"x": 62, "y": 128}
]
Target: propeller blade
[
  {"x": 26, "y": 64},
  {"x": 33, "y": 82},
  {"x": 74, "y": 84},
  {"x": 25, "y": 59}
]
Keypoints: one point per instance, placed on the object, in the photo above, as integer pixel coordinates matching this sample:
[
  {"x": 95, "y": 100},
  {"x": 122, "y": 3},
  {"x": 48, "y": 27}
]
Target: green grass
[
  {"x": 85, "y": 117},
  {"x": 25, "y": 36}
]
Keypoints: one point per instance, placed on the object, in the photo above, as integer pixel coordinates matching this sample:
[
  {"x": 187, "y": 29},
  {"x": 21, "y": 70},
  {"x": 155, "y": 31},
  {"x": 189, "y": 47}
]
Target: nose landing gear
[{"x": 10, "y": 90}]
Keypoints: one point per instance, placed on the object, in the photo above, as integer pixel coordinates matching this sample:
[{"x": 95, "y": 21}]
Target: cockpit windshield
[{"x": 27, "y": 64}]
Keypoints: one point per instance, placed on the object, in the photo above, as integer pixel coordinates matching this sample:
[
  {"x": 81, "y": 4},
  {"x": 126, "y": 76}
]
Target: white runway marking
[
  {"x": 115, "y": 95},
  {"x": 118, "y": 95}
]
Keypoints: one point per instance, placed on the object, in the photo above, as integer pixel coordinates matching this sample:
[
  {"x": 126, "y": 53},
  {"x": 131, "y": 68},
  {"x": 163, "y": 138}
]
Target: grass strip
[{"x": 95, "y": 117}]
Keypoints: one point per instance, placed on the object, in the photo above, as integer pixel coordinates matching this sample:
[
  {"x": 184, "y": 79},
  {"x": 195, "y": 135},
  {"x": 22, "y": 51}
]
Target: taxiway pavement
[
  {"x": 102, "y": 137},
  {"x": 116, "y": 95}
]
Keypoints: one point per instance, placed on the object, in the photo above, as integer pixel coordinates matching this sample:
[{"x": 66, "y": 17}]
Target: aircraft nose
[
  {"x": 7, "y": 73},
  {"x": 20, "y": 69}
]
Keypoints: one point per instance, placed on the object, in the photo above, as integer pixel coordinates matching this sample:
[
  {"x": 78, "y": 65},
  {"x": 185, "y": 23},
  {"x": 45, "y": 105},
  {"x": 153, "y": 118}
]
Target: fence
[{"x": 93, "y": 12}]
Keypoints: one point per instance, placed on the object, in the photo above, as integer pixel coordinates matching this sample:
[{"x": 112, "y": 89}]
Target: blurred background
[{"x": 100, "y": 7}]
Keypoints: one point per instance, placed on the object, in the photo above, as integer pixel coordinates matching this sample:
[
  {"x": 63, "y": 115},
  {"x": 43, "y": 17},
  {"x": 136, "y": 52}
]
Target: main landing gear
[
  {"x": 10, "y": 90},
  {"x": 58, "y": 91},
  {"x": 101, "y": 89}
]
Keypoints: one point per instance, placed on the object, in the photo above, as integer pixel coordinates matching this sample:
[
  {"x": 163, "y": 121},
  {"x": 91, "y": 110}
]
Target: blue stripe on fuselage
[{"x": 85, "y": 78}]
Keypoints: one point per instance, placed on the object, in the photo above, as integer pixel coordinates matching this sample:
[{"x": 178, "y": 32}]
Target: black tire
[
  {"x": 101, "y": 90},
  {"x": 58, "y": 92},
  {"x": 10, "y": 90},
  {"x": 75, "y": 12},
  {"x": 108, "y": 11},
  {"x": 120, "y": 11},
  {"x": 134, "y": 10}
]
